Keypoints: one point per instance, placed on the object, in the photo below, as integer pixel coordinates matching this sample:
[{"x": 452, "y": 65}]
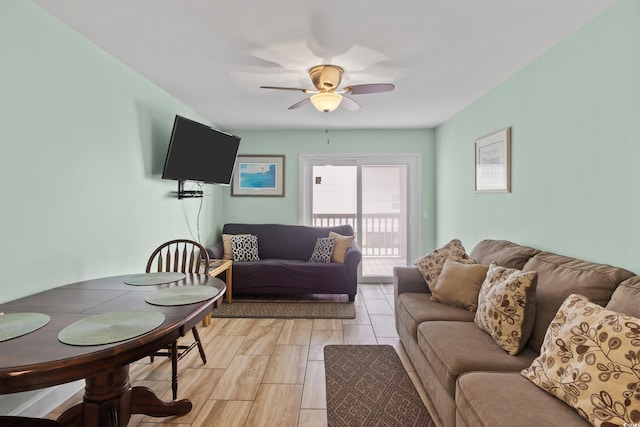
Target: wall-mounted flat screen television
[{"x": 198, "y": 152}]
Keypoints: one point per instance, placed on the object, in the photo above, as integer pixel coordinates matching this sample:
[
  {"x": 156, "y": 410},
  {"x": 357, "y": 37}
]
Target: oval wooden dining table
[{"x": 38, "y": 359}]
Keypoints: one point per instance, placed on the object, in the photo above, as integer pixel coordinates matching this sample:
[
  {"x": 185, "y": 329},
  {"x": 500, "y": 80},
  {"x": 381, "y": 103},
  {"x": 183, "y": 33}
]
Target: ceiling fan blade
[
  {"x": 369, "y": 88},
  {"x": 300, "y": 104},
  {"x": 349, "y": 103},
  {"x": 285, "y": 88}
]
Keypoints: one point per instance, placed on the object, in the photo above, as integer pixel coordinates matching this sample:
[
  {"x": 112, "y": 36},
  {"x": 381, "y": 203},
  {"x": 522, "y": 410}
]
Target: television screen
[{"x": 198, "y": 152}]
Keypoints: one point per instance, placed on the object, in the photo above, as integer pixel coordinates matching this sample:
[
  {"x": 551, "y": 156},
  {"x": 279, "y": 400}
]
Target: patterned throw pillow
[
  {"x": 431, "y": 264},
  {"x": 506, "y": 306},
  {"x": 323, "y": 249},
  {"x": 245, "y": 248},
  {"x": 226, "y": 245},
  {"x": 590, "y": 358}
]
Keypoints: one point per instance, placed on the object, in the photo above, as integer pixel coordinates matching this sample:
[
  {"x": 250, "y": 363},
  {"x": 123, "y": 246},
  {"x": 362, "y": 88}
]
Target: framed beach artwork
[
  {"x": 259, "y": 175},
  {"x": 493, "y": 162}
]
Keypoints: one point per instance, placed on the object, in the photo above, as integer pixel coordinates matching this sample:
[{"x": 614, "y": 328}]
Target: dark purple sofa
[{"x": 284, "y": 266}]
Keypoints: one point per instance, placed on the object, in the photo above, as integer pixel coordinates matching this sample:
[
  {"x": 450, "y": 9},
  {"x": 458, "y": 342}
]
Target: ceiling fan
[{"x": 326, "y": 97}]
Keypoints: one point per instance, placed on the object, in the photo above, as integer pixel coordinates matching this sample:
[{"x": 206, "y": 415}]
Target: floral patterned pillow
[
  {"x": 590, "y": 359},
  {"x": 506, "y": 306},
  {"x": 431, "y": 264}
]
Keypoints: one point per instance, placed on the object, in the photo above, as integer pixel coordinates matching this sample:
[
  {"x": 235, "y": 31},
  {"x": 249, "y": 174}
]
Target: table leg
[{"x": 109, "y": 401}]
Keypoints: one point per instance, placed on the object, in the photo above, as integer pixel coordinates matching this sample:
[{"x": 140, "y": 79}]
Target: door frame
[{"x": 306, "y": 161}]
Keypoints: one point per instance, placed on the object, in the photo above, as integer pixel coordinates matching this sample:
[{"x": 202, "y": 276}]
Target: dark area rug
[
  {"x": 367, "y": 385},
  {"x": 286, "y": 309}
]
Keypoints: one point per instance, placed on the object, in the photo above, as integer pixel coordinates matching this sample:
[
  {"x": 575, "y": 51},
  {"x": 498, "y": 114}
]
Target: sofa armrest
[
  {"x": 408, "y": 279},
  {"x": 215, "y": 251},
  {"x": 352, "y": 259}
]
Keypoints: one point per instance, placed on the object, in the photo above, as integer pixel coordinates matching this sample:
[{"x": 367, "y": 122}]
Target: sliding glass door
[{"x": 372, "y": 194}]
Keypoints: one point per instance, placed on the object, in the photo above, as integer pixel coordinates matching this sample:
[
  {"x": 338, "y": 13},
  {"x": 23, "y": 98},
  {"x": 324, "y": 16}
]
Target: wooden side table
[{"x": 217, "y": 266}]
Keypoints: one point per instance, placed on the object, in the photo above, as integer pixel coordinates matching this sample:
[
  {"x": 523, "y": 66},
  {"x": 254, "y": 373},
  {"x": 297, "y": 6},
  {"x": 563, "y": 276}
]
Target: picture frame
[
  {"x": 493, "y": 162},
  {"x": 258, "y": 175}
]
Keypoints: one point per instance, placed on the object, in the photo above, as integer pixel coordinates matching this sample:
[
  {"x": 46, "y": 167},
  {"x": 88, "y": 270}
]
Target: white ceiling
[{"x": 214, "y": 54}]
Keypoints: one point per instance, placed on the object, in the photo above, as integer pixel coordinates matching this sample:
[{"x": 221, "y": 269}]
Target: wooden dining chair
[{"x": 183, "y": 256}]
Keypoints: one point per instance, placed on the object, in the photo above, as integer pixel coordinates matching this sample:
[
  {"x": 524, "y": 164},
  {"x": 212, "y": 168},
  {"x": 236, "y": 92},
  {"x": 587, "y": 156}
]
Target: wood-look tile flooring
[{"x": 264, "y": 372}]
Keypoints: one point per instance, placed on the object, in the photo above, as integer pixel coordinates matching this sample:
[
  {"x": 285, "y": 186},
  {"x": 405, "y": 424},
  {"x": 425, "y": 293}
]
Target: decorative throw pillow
[
  {"x": 431, "y": 264},
  {"x": 459, "y": 284},
  {"x": 506, "y": 306},
  {"x": 245, "y": 248},
  {"x": 341, "y": 246},
  {"x": 226, "y": 245},
  {"x": 323, "y": 249},
  {"x": 590, "y": 358}
]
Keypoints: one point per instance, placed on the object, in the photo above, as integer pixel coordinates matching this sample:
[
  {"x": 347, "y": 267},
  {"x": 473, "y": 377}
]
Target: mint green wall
[
  {"x": 575, "y": 119},
  {"x": 292, "y": 143},
  {"x": 83, "y": 140}
]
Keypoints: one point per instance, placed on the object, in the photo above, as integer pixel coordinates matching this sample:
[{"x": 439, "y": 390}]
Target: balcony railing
[{"x": 382, "y": 233}]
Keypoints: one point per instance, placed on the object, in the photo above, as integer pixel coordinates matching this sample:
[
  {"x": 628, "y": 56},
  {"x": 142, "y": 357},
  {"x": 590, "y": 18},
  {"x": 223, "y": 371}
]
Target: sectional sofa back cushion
[
  {"x": 502, "y": 252},
  {"x": 560, "y": 276},
  {"x": 283, "y": 241},
  {"x": 626, "y": 298}
]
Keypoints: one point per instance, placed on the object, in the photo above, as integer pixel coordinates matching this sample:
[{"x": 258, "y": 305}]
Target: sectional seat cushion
[
  {"x": 431, "y": 264},
  {"x": 507, "y": 306},
  {"x": 453, "y": 348},
  {"x": 413, "y": 308},
  {"x": 459, "y": 284},
  {"x": 590, "y": 359},
  {"x": 512, "y": 401},
  {"x": 560, "y": 276}
]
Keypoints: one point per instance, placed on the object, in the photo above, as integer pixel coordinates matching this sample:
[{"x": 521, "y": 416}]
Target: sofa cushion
[
  {"x": 454, "y": 348},
  {"x": 291, "y": 277},
  {"x": 413, "y": 308},
  {"x": 502, "y": 252},
  {"x": 590, "y": 359},
  {"x": 244, "y": 248},
  {"x": 560, "y": 276},
  {"x": 431, "y": 264},
  {"x": 459, "y": 284},
  {"x": 341, "y": 246},
  {"x": 506, "y": 307},
  {"x": 626, "y": 298},
  {"x": 284, "y": 241},
  {"x": 513, "y": 401},
  {"x": 323, "y": 249}
]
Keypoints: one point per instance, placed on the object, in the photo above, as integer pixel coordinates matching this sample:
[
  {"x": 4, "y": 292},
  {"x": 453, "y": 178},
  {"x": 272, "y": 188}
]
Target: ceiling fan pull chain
[{"x": 326, "y": 125}]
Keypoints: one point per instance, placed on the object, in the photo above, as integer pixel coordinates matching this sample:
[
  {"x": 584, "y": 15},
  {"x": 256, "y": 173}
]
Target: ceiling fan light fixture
[{"x": 326, "y": 101}]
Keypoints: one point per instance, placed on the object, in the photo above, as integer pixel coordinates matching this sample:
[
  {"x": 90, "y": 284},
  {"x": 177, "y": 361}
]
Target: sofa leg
[{"x": 352, "y": 297}]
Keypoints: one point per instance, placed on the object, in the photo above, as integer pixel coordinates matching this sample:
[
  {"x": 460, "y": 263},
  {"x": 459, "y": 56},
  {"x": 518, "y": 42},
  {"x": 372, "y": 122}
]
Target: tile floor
[{"x": 264, "y": 372}]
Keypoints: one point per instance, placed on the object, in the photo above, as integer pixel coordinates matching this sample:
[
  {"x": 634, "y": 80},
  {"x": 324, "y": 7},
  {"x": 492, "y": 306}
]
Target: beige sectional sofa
[{"x": 472, "y": 381}]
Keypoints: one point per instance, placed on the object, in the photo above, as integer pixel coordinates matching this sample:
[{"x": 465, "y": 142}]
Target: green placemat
[
  {"x": 17, "y": 324},
  {"x": 182, "y": 295},
  {"x": 111, "y": 327},
  {"x": 148, "y": 279}
]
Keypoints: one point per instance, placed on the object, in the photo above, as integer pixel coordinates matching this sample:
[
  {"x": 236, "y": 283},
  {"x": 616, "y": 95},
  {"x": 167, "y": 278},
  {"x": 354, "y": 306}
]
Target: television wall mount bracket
[{"x": 187, "y": 194}]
